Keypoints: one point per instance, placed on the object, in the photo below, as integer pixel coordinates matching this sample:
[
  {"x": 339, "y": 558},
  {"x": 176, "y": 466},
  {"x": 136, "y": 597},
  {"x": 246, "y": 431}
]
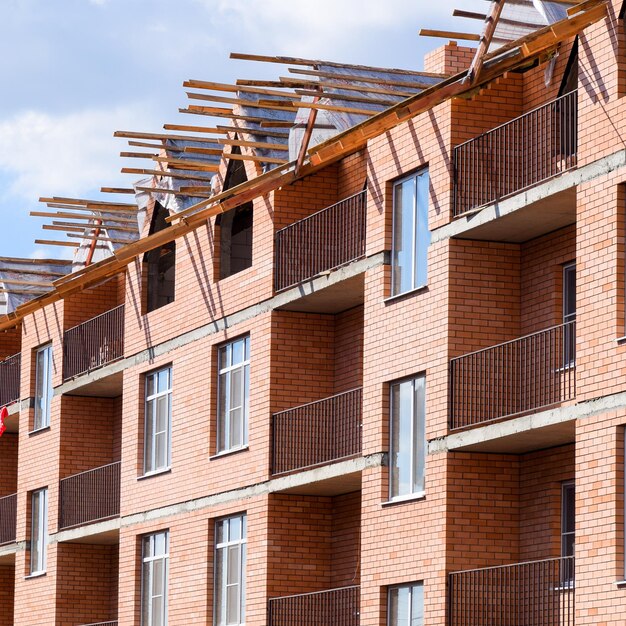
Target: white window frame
[
  {"x": 417, "y": 422},
  {"x": 412, "y": 589},
  {"x": 149, "y": 557},
  {"x": 226, "y": 368},
  {"x": 419, "y": 230},
  {"x": 222, "y": 551},
  {"x": 151, "y": 464},
  {"x": 43, "y": 381},
  {"x": 39, "y": 531}
]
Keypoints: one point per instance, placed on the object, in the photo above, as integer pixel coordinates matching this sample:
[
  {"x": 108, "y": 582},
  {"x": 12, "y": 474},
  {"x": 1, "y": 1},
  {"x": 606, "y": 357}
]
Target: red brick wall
[
  {"x": 10, "y": 341},
  {"x": 346, "y": 540},
  {"x": 7, "y": 594},
  {"x": 83, "y": 305},
  {"x": 87, "y": 584},
  {"x": 348, "y": 349}
]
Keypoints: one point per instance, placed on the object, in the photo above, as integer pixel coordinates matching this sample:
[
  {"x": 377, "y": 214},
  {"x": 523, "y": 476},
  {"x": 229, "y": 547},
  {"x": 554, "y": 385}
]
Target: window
[
  {"x": 569, "y": 314},
  {"x": 233, "y": 394},
  {"x": 158, "y": 424},
  {"x": 160, "y": 265},
  {"x": 408, "y": 437},
  {"x": 38, "y": 531},
  {"x": 411, "y": 236},
  {"x": 43, "y": 386},
  {"x": 568, "y": 529},
  {"x": 230, "y": 571},
  {"x": 406, "y": 605},
  {"x": 154, "y": 573},
  {"x": 236, "y": 224}
]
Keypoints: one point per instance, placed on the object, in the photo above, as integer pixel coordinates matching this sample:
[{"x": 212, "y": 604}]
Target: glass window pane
[
  {"x": 163, "y": 380},
  {"x": 149, "y": 437},
  {"x": 238, "y": 351},
  {"x": 417, "y": 605},
  {"x": 232, "y": 604},
  {"x": 403, "y": 240},
  {"x": 150, "y": 385},
  {"x": 423, "y": 233},
  {"x": 419, "y": 434},
  {"x": 220, "y": 608},
  {"x": 401, "y": 438},
  {"x": 234, "y": 524},
  {"x": 162, "y": 410}
]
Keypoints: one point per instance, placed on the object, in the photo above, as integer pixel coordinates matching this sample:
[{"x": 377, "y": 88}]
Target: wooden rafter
[
  {"x": 375, "y": 80},
  {"x": 485, "y": 40},
  {"x": 193, "y": 129},
  {"x": 175, "y": 192},
  {"x": 254, "y": 144},
  {"x": 127, "y": 134},
  {"x": 183, "y": 164},
  {"x": 303, "y": 83},
  {"x": 448, "y": 34},
  {"x": 254, "y": 158},
  {"x": 77, "y": 216},
  {"x": 52, "y": 242},
  {"x": 147, "y": 172}
]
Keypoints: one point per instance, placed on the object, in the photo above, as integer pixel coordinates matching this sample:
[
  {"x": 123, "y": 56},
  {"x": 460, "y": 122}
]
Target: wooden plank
[
  {"x": 104, "y": 224},
  {"x": 27, "y": 292},
  {"x": 490, "y": 28},
  {"x": 163, "y": 146},
  {"x": 254, "y": 144},
  {"x": 211, "y": 112},
  {"x": 254, "y": 158},
  {"x": 183, "y": 164},
  {"x": 116, "y": 190},
  {"x": 324, "y": 107},
  {"x": 348, "y": 97},
  {"x": 141, "y": 171},
  {"x": 246, "y": 130},
  {"x": 448, "y": 34},
  {"x": 116, "y": 220},
  {"x": 303, "y": 83},
  {"x": 84, "y": 202},
  {"x": 374, "y": 80},
  {"x": 194, "y": 129},
  {"x": 270, "y": 124},
  {"x": 138, "y": 155},
  {"x": 99, "y": 237},
  {"x": 10, "y": 281},
  {"x": 203, "y": 84},
  {"x": 174, "y": 192},
  {"x": 50, "y": 242},
  {"x": 133, "y": 135},
  {"x": 74, "y": 229},
  {"x": 30, "y": 272},
  {"x": 297, "y": 61},
  {"x": 73, "y": 207},
  {"x": 21, "y": 261},
  {"x": 198, "y": 150}
]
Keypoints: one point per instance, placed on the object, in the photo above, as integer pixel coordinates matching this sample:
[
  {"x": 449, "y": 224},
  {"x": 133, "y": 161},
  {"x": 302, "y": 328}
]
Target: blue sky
[{"x": 74, "y": 71}]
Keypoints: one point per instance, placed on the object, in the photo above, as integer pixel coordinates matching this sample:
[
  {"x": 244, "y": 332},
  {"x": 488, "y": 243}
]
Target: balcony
[
  {"x": 540, "y": 593},
  {"x": 338, "y": 607},
  {"x": 94, "y": 343},
  {"x": 317, "y": 433},
  {"x": 514, "y": 378},
  {"x": 10, "y": 379},
  {"x": 321, "y": 242},
  {"x": 113, "y": 623},
  {"x": 90, "y": 496},
  {"x": 8, "y": 517},
  {"x": 524, "y": 152}
]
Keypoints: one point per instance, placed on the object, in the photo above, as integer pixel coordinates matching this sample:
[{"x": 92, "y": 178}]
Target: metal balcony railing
[
  {"x": 515, "y": 377},
  {"x": 519, "y": 154},
  {"x": 320, "y": 242},
  {"x": 90, "y": 496},
  {"x": 537, "y": 593},
  {"x": 10, "y": 379},
  {"x": 318, "y": 432},
  {"x": 8, "y": 518},
  {"x": 338, "y": 607},
  {"x": 113, "y": 623},
  {"x": 94, "y": 343}
]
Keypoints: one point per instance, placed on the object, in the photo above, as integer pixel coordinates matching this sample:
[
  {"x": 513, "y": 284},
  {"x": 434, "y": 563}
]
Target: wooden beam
[
  {"x": 50, "y": 242},
  {"x": 116, "y": 220},
  {"x": 490, "y": 28},
  {"x": 74, "y": 229},
  {"x": 254, "y": 144},
  {"x": 25, "y": 292},
  {"x": 247, "y": 130},
  {"x": 105, "y": 224},
  {"x": 116, "y": 190},
  {"x": 83, "y": 202},
  {"x": 347, "y": 97},
  {"x": 202, "y": 84},
  {"x": 363, "y": 79},
  {"x": 10, "y": 281},
  {"x": 174, "y": 192},
  {"x": 99, "y": 238},
  {"x": 194, "y": 129},
  {"x": 198, "y": 150},
  {"x": 138, "y": 155},
  {"x": 154, "y": 146},
  {"x": 288, "y": 106},
  {"x": 297, "y": 61},
  {"x": 33, "y": 272},
  {"x": 183, "y": 164},
  {"x": 449, "y": 34},
  {"x": 213, "y": 112},
  {"x": 256, "y": 159},
  {"x": 159, "y": 136},
  {"x": 73, "y": 207},
  {"x": 141, "y": 171},
  {"x": 303, "y": 83}
]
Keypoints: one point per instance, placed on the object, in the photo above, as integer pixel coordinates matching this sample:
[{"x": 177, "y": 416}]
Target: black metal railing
[
  {"x": 318, "y": 432},
  {"x": 90, "y": 496},
  {"x": 519, "y": 154},
  {"x": 94, "y": 343},
  {"x": 8, "y": 518},
  {"x": 320, "y": 242},
  {"x": 515, "y": 377},
  {"x": 537, "y": 593},
  {"x": 338, "y": 607},
  {"x": 10, "y": 379}
]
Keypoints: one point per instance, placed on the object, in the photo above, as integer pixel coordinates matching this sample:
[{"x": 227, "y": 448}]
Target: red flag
[{"x": 4, "y": 413}]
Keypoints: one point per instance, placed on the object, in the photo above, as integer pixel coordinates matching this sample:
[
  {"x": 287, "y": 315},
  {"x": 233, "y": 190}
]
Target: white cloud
[{"x": 68, "y": 154}]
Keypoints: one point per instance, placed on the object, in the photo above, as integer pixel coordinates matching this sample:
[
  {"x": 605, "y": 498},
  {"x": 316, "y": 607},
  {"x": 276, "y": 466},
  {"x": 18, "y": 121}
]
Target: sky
[{"x": 74, "y": 71}]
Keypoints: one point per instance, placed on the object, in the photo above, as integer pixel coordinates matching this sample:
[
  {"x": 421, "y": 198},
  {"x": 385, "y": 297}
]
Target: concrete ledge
[
  {"x": 544, "y": 429},
  {"x": 12, "y": 548},
  {"x": 300, "y": 479},
  {"x": 280, "y": 300},
  {"x": 567, "y": 180},
  {"x": 107, "y": 527}
]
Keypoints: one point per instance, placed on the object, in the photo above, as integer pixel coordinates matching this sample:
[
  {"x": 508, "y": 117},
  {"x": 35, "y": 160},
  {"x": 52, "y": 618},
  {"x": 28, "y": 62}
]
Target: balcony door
[{"x": 569, "y": 314}]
